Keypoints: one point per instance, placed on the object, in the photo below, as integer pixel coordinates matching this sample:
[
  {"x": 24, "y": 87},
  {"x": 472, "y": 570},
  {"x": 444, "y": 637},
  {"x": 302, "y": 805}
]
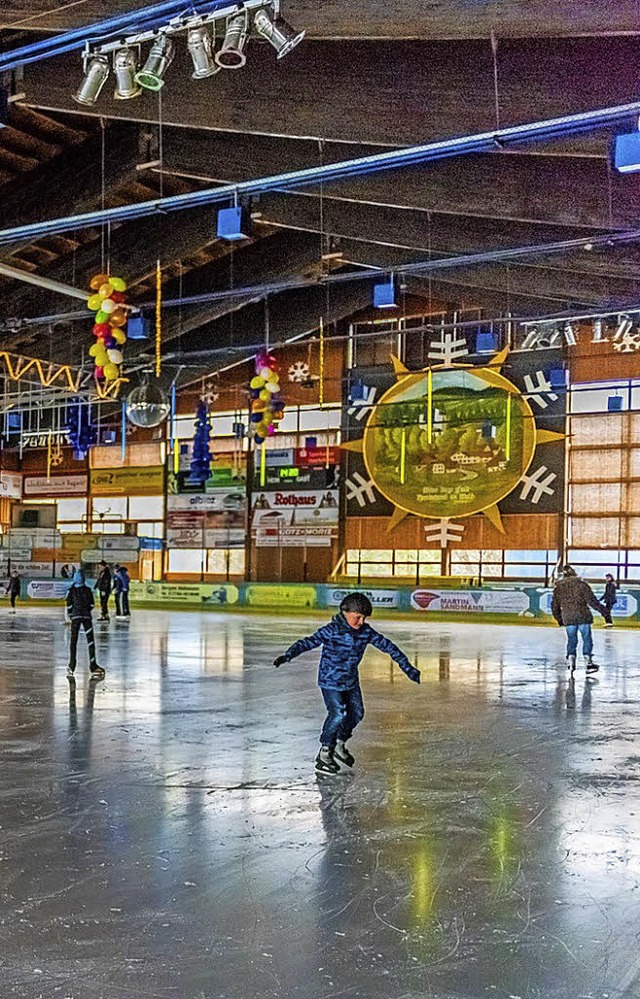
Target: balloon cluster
[
  {"x": 107, "y": 302},
  {"x": 267, "y": 404}
]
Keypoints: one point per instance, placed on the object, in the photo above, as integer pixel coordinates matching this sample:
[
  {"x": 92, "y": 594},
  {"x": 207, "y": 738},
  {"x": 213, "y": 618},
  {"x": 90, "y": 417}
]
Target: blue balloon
[{"x": 258, "y": 439}]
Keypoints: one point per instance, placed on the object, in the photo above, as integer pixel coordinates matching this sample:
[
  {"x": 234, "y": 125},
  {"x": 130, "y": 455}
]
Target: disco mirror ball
[{"x": 147, "y": 405}]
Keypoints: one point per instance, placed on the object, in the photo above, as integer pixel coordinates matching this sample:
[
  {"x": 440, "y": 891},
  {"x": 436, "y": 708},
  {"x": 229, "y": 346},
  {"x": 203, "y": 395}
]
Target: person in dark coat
[
  {"x": 344, "y": 641},
  {"x": 609, "y": 599},
  {"x": 13, "y": 589},
  {"x": 572, "y": 598},
  {"x": 103, "y": 586},
  {"x": 80, "y": 606}
]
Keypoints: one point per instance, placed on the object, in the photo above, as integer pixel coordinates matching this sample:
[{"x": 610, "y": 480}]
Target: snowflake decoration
[
  {"x": 210, "y": 393},
  {"x": 299, "y": 372},
  {"x": 448, "y": 348},
  {"x": 628, "y": 343},
  {"x": 361, "y": 490},
  {"x": 56, "y": 459},
  {"x": 443, "y": 532}
]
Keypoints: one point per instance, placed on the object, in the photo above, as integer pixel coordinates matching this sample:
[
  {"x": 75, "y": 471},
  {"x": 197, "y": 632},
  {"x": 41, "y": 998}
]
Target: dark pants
[
  {"x": 13, "y": 600},
  {"x": 607, "y": 616},
  {"x": 104, "y": 602},
  {"x": 76, "y": 624},
  {"x": 345, "y": 709},
  {"x": 122, "y": 604}
]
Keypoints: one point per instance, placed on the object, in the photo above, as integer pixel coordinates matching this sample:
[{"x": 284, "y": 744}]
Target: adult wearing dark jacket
[
  {"x": 80, "y": 606},
  {"x": 13, "y": 589},
  {"x": 571, "y": 603},
  {"x": 121, "y": 581},
  {"x": 609, "y": 599},
  {"x": 103, "y": 586}
]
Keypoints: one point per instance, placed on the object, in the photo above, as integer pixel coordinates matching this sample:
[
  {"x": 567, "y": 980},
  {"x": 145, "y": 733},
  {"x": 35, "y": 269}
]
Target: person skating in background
[
  {"x": 121, "y": 583},
  {"x": 13, "y": 589},
  {"x": 609, "y": 599},
  {"x": 572, "y": 598},
  {"x": 344, "y": 641},
  {"x": 103, "y": 585},
  {"x": 80, "y": 606}
]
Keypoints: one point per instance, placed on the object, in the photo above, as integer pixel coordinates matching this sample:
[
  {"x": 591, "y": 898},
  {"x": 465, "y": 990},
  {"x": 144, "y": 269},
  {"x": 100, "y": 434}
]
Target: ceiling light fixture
[
  {"x": 125, "y": 67},
  {"x": 200, "y": 45},
  {"x": 231, "y": 55},
  {"x": 279, "y": 33},
  {"x": 95, "y": 77},
  {"x": 160, "y": 57}
]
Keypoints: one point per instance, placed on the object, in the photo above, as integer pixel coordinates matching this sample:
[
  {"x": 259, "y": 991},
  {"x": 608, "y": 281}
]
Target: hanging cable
[{"x": 158, "y": 319}]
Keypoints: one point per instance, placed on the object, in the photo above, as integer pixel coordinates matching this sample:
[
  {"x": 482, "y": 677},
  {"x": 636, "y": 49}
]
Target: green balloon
[{"x": 101, "y": 317}]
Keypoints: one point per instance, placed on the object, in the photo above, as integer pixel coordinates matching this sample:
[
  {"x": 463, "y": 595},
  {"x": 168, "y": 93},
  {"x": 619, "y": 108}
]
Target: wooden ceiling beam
[
  {"x": 332, "y": 19},
  {"x": 392, "y": 94}
]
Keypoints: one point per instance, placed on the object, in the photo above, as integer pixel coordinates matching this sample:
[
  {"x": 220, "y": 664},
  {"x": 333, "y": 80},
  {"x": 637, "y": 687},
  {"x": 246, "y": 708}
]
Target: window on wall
[
  {"x": 71, "y": 515},
  {"x": 603, "y": 492},
  {"x": 221, "y": 562},
  {"x": 392, "y": 563},
  {"x": 111, "y": 513},
  {"x": 594, "y": 564},
  {"x": 488, "y": 564}
]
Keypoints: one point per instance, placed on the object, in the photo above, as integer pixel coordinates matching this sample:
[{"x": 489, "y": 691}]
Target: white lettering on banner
[
  {"x": 379, "y": 598},
  {"x": 57, "y": 485},
  {"x": 51, "y": 589},
  {"x": 295, "y": 537},
  {"x": 218, "y": 500},
  {"x": 626, "y": 604},
  {"x": 20, "y": 554},
  {"x": 39, "y": 569},
  {"x": 471, "y": 601}
]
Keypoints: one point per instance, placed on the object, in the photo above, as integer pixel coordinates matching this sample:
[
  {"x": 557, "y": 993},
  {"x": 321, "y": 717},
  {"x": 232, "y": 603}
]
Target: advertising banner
[
  {"x": 213, "y": 537},
  {"x": 57, "y": 485},
  {"x": 223, "y": 500},
  {"x": 10, "y": 485},
  {"x": 294, "y": 477},
  {"x": 277, "y": 536},
  {"x": 272, "y": 595},
  {"x": 127, "y": 481},
  {"x": 471, "y": 601},
  {"x": 117, "y": 542},
  {"x": 197, "y": 594},
  {"x": 216, "y": 519},
  {"x": 626, "y": 605},
  {"x": 19, "y": 552},
  {"x": 34, "y": 537},
  {"x": 47, "y": 589},
  {"x": 379, "y": 598},
  {"x": 316, "y": 457},
  {"x": 295, "y": 519}
]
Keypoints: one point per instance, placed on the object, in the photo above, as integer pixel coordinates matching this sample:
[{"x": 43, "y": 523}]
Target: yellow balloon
[
  {"x": 101, "y": 359},
  {"x": 273, "y": 377},
  {"x": 119, "y": 335},
  {"x": 94, "y": 302},
  {"x": 96, "y": 281},
  {"x": 105, "y": 289},
  {"x": 262, "y": 429},
  {"x": 257, "y": 382},
  {"x": 93, "y": 350},
  {"x": 110, "y": 371},
  {"x": 258, "y": 406},
  {"x": 118, "y": 284},
  {"x": 265, "y": 395}
]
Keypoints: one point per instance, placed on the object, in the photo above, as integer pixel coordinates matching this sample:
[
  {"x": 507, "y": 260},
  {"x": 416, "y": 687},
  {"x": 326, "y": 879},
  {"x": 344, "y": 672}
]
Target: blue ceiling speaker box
[
  {"x": 614, "y": 403},
  {"x": 626, "y": 157},
  {"x": 233, "y": 223},
  {"x": 558, "y": 378},
  {"x": 138, "y": 328},
  {"x": 486, "y": 342},
  {"x": 384, "y": 295}
]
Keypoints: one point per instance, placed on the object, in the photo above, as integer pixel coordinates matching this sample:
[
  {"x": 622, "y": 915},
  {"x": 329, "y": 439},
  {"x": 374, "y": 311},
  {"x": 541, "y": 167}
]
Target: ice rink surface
[{"x": 163, "y": 834}]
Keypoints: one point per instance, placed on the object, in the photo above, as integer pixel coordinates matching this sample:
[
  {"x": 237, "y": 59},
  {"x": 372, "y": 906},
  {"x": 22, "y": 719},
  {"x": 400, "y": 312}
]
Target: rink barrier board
[{"x": 518, "y": 603}]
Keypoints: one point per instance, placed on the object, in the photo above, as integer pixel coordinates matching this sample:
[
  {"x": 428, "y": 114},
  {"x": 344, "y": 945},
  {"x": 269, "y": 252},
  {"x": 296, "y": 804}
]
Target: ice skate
[
  {"x": 571, "y": 663},
  {"x": 342, "y": 754},
  {"x": 97, "y": 673},
  {"x": 325, "y": 763},
  {"x": 591, "y": 666},
  {"x": 71, "y": 672}
]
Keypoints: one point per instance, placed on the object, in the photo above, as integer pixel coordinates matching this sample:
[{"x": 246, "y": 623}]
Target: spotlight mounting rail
[{"x": 180, "y": 24}]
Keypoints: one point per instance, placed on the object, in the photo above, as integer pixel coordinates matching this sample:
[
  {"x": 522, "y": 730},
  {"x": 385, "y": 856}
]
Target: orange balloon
[
  {"x": 118, "y": 317},
  {"x": 96, "y": 281}
]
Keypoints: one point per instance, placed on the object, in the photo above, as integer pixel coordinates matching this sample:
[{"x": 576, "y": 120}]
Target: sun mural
[{"x": 450, "y": 441}]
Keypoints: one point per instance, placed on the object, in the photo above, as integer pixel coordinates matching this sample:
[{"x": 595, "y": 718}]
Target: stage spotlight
[
  {"x": 231, "y": 55},
  {"x": 160, "y": 57},
  {"x": 125, "y": 67},
  {"x": 200, "y": 45},
  {"x": 94, "y": 80},
  {"x": 280, "y": 34}
]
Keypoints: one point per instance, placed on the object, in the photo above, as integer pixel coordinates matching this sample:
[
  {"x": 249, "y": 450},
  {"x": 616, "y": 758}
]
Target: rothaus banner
[{"x": 298, "y": 519}]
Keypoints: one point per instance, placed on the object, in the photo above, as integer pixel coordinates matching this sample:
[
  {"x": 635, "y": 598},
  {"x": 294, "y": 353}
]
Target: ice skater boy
[{"x": 344, "y": 641}]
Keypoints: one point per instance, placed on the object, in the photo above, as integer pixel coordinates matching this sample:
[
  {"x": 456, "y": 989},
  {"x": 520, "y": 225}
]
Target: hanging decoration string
[
  {"x": 321, "y": 385},
  {"x": 158, "y": 319}
]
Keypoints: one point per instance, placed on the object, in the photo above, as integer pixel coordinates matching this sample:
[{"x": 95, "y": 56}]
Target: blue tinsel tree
[{"x": 201, "y": 457}]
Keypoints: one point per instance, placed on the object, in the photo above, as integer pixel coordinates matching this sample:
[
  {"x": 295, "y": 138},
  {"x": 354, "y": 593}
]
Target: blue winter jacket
[{"x": 342, "y": 650}]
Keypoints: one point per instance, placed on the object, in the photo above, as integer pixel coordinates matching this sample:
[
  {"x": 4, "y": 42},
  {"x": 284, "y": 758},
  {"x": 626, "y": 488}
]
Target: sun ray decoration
[{"x": 451, "y": 441}]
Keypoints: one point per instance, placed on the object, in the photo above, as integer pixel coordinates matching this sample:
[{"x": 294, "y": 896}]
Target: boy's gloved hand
[
  {"x": 280, "y": 660},
  {"x": 413, "y": 674}
]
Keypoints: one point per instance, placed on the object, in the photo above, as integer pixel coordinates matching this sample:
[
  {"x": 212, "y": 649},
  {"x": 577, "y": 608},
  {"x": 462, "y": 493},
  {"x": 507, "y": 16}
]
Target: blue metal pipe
[
  {"x": 462, "y": 146},
  {"x": 146, "y": 18}
]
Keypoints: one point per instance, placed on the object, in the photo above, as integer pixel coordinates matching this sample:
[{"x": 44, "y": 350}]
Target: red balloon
[
  {"x": 118, "y": 296},
  {"x": 98, "y": 372},
  {"x": 101, "y": 329}
]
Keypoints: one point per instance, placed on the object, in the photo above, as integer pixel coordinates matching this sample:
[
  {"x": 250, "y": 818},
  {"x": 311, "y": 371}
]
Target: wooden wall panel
[
  {"x": 596, "y": 362},
  {"x": 533, "y": 531}
]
